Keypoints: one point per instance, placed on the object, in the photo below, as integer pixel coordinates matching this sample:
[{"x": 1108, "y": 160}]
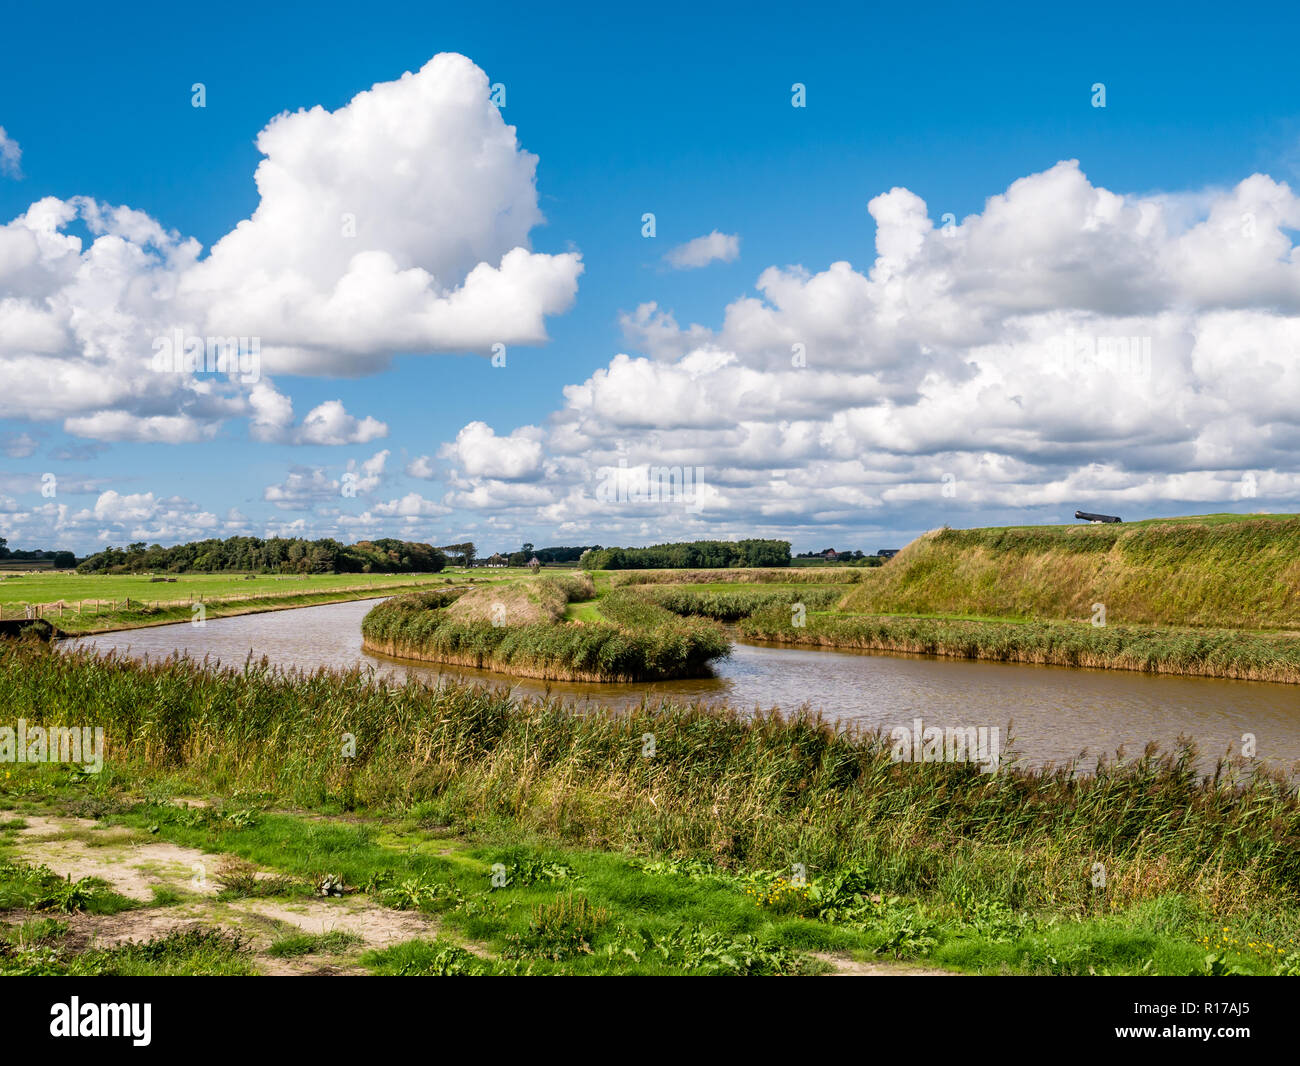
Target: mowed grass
[{"x": 86, "y": 617}]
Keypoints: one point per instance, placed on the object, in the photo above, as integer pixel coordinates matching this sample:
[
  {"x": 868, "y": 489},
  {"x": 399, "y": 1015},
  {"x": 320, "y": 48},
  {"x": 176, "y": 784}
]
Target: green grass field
[
  {"x": 72, "y": 587},
  {"x": 80, "y": 604},
  {"x": 97, "y": 603}
]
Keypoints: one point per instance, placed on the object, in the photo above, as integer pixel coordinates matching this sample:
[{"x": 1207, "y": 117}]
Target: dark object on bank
[
  {"x": 887, "y": 553},
  {"x": 30, "y": 627},
  {"x": 1096, "y": 517}
]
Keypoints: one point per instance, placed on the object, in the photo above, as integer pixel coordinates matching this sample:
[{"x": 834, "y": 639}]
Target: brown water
[{"x": 1054, "y": 713}]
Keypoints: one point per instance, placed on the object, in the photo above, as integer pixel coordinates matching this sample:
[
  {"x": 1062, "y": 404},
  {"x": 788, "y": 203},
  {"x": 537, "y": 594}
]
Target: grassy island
[{"x": 548, "y": 628}]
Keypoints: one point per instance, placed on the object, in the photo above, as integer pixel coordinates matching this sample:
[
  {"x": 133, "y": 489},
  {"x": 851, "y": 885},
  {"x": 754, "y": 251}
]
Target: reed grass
[
  {"x": 741, "y": 792},
  {"x": 821, "y": 575},
  {"x": 730, "y": 605},
  {"x": 520, "y": 629}
]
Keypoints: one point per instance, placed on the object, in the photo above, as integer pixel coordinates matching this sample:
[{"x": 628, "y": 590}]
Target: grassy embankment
[
  {"x": 611, "y": 856},
  {"x": 544, "y": 627},
  {"x": 91, "y": 603},
  {"x": 1214, "y": 597},
  {"x": 1225, "y": 572},
  {"x": 1217, "y": 596}
]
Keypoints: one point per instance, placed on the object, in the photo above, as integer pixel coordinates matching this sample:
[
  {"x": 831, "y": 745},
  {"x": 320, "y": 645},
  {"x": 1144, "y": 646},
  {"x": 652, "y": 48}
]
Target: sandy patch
[
  {"x": 109, "y": 931},
  {"x": 849, "y": 967},
  {"x": 134, "y": 863},
  {"x": 379, "y": 927}
]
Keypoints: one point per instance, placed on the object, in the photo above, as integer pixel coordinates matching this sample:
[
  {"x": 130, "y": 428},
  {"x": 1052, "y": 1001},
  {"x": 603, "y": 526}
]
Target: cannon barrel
[{"x": 1088, "y": 517}]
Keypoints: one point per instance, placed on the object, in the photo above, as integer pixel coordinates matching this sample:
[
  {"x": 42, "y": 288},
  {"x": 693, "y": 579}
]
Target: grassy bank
[
  {"x": 739, "y": 837},
  {"x": 1209, "y": 596},
  {"x": 822, "y": 575},
  {"x": 526, "y": 628},
  {"x": 1161, "y": 650},
  {"x": 1219, "y": 571},
  {"x": 730, "y": 604}
]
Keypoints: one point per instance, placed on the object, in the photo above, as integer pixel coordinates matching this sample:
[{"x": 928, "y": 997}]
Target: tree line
[
  {"x": 559, "y": 554},
  {"x": 60, "y": 560},
  {"x": 281, "y": 555},
  {"x": 698, "y": 554}
]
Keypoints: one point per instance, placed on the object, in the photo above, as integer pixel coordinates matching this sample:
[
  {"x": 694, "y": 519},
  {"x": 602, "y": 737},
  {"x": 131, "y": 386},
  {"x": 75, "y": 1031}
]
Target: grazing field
[
  {"x": 77, "y": 604},
  {"x": 472, "y": 832},
  {"x": 70, "y": 587}
]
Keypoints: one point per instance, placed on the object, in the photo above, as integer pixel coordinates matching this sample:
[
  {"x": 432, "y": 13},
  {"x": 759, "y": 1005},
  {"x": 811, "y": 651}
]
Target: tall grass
[
  {"x": 821, "y": 575},
  {"x": 760, "y": 792},
  {"x": 730, "y": 605},
  {"x": 639, "y": 642},
  {"x": 1239, "y": 574},
  {"x": 523, "y": 602}
]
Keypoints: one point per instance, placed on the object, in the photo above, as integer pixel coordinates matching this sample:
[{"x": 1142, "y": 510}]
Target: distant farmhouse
[{"x": 1087, "y": 517}]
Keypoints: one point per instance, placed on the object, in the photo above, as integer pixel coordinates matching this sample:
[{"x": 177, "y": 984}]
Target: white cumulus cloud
[
  {"x": 713, "y": 247},
  {"x": 398, "y": 223},
  {"x": 1068, "y": 346}
]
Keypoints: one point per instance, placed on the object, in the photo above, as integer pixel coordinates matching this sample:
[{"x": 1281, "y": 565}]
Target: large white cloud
[{"x": 398, "y": 223}]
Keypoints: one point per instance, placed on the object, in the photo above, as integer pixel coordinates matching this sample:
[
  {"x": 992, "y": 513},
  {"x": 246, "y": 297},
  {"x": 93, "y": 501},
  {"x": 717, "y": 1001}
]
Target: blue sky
[{"x": 685, "y": 111}]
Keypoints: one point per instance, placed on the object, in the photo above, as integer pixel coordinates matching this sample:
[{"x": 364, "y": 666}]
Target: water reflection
[{"x": 1053, "y": 713}]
